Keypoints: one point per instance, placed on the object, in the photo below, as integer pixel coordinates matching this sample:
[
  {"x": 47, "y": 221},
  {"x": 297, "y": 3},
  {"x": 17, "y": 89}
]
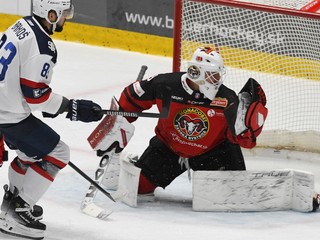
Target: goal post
[{"x": 277, "y": 46}]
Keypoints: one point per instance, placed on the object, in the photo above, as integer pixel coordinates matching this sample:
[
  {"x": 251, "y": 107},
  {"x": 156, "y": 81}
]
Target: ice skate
[
  {"x": 18, "y": 219},
  {"x": 37, "y": 210}
]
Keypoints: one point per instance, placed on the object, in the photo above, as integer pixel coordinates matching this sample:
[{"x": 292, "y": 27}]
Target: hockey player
[
  {"x": 27, "y": 57},
  {"x": 207, "y": 123}
]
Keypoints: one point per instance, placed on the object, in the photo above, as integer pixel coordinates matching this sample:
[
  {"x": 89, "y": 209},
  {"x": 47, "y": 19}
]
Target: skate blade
[{"x": 18, "y": 230}]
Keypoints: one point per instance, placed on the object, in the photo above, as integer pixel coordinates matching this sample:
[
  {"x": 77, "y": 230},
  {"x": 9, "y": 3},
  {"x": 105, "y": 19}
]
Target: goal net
[{"x": 277, "y": 46}]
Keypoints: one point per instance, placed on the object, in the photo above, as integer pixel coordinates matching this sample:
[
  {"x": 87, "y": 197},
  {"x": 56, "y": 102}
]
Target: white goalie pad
[
  {"x": 110, "y": 178},
  {"x": 128, "y": 182},
  {"x": 253, "y": 190}
]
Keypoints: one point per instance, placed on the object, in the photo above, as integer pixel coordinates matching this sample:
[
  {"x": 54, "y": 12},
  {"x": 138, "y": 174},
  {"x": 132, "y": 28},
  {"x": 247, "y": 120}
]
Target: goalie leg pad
[
  {"x": 111, "y": 176},
  {"x": 253, "y": 190},
  {"x": 128, "y": 182}
]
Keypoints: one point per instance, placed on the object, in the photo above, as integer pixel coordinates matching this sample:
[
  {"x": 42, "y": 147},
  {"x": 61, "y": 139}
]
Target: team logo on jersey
[
  {"x": 191, "y": 123},
  {"x": 51, "y": 46},
  {"x": 37, "y": 93}
]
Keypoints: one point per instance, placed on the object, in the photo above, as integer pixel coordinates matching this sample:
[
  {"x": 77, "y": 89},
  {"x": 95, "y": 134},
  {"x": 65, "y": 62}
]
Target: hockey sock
[{"x": 145, "y": 186}]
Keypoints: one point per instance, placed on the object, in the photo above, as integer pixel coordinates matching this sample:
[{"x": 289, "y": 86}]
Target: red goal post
[{"x": 277, "y": 46}]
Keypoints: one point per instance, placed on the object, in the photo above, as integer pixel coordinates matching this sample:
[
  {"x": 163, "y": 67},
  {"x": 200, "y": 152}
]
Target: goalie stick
[
  {"x": 165, "y": 103},
  {"x": 88, "y": 206},
  {"x": 163, "y": 114}
]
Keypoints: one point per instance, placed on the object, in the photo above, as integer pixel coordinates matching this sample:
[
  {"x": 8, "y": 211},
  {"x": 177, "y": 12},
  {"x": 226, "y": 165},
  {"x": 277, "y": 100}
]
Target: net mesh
[{"x": 280, "y": 51}]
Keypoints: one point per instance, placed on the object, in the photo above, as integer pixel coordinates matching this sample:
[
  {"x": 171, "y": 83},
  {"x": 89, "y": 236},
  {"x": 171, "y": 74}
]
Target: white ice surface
[{"x": 99, "y": 73}]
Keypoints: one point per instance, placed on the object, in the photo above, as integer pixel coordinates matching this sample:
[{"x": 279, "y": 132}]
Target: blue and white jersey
[{"x": 27, "y": 58}]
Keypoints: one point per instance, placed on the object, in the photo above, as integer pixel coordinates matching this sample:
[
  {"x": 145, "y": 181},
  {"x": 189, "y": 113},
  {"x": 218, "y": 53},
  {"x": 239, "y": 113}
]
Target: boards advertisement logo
[{"x": 144, "y": 16}]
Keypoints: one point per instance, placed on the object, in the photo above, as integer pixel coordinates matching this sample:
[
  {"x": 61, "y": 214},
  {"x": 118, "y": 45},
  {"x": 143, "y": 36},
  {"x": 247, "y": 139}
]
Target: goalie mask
[
  {"x": 206, "y": 69},
  {"x": 63, "y": 8}
]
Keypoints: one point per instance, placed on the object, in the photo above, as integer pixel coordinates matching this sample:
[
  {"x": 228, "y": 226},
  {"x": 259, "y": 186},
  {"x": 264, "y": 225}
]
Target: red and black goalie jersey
[{"x": 195, "y": 123}]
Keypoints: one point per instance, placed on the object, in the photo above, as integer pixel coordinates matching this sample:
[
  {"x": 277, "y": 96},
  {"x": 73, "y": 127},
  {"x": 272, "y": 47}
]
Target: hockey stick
[
  {"x": 88, "y": 206},
  {"x": 142, "y": 72},
  {"x": 163, "y": 114},
  {"x": 90, "y": 180},
  {"x": 165, "y": 103}
]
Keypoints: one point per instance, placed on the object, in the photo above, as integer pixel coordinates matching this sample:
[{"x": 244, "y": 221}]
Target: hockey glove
[
  {"x": 84, "y": 111},
  {"x": 246, "y": 117},
  {"x": 3, "y": 152}
]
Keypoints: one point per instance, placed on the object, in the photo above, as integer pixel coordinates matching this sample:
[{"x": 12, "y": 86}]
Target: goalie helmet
[
  {"x": 206, "y": 69},
  {"x": 63, "y": 8}
]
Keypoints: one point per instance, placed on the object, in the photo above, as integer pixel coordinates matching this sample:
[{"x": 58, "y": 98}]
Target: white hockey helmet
[
  {"x": 206, "y": 69},
  {"x": 63, "y": 8}
]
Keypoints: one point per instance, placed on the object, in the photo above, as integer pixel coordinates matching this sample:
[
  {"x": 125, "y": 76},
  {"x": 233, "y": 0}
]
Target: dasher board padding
[{"x": 274, "y": 190}]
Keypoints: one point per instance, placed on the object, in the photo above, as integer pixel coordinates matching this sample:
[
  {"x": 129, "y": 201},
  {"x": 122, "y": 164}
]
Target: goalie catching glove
[{"x": 246, "y": 117}]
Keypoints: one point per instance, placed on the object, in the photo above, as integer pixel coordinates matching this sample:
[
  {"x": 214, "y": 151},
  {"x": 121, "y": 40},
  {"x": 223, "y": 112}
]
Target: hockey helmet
[
  {"x": 63, "y": 8},
  {"x": 206, "y": 69}
]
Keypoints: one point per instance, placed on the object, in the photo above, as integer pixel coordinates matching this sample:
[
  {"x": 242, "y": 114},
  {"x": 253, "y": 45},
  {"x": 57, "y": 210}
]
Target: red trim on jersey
[
  {"x": 17, "y": 169},
  {"x": 36, "y": 86},
  {"x": 42, "y": 172},
  {"x": 32, "y": 84},
  {"x": 54, "y": 161}
]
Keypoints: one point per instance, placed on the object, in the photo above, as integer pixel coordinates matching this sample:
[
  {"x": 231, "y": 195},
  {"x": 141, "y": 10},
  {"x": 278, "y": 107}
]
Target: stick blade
[{"x": 93, "y": 210}]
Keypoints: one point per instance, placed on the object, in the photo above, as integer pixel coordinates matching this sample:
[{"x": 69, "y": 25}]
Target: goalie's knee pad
[{"x": 159, "y": 164}]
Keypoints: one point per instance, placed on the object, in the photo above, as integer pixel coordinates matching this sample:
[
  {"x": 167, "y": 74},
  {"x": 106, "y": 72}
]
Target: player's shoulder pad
[{"x": 45, "y": 44}]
